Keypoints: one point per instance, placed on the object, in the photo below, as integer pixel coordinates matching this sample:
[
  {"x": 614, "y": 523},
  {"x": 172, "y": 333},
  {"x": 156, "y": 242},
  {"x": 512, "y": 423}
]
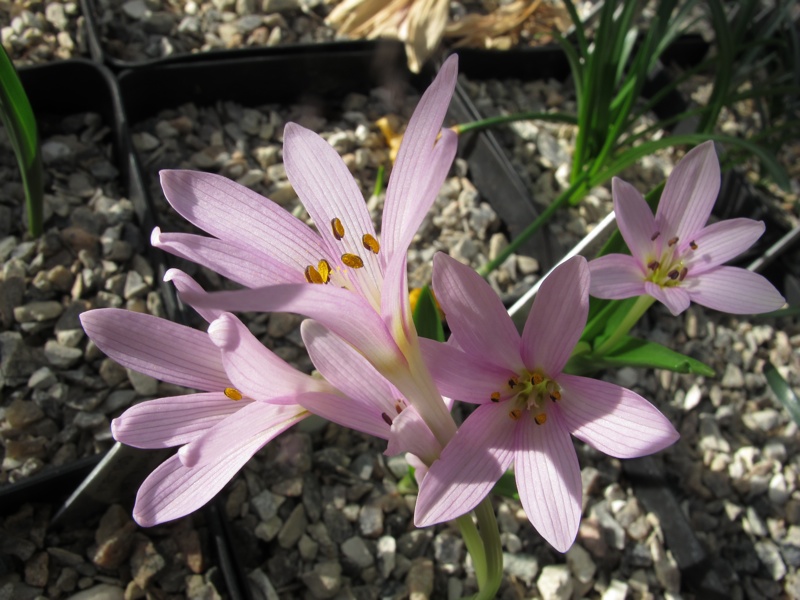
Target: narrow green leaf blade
[
  {"x": 633, "y": 352},
  {"x": 426, "y": 316},
  {"x": 506, "y": 486},
  {"x": 783, "y": 391},
  {"x": 20, "y": 123},
  {"x": 17, "y": 112}
]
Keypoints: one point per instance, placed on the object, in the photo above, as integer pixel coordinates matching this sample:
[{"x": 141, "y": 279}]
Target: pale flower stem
[
  {"x": 487, "y": 524},
  {"x": 474, "y": 543},
  {"x": 485, "y": 549},
  {"x": 634, "y": 314}
]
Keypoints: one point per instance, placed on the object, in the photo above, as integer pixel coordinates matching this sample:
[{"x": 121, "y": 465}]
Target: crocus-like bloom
[
  {"x": 249, "y": 397},
  {"x": 342, "y": 275},
  {"x": 675, "y": 258},
  {"x": 528, "y": 406},
  {"x": 218, "y": 429}
]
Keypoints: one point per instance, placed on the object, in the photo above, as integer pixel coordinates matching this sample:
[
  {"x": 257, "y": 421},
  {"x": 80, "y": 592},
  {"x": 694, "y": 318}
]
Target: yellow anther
[
  {"x": 555, "y": 395},
  {"x": 540, "y": 419},
  {"x": 312, "y": 275},
  {"x": 370, "y": 243},
  {"x": 324, "y": 270},
  {"x": 352, "y": 260},
  {"x": 537, "y": 379},
  {"x": 233, "y": 393},
  {"x": 337, "y": 227},
  {"x": 515, "y": 414},
  {"x": 495, "y": 397},
  {"x": 673, "y": 241}
]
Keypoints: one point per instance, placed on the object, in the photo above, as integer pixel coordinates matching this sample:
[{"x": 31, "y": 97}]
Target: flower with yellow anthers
[
  {"x": 248, "y": 397},
  {"x": 675, "y": 257},
  {"x": 528, "y": 407},
  {"x": 341, "y": 273}
]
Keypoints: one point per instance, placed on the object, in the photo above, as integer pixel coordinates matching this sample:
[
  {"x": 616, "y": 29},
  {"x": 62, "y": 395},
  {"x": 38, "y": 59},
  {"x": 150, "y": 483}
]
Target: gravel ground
[
  {"x": 56, "y": 408},
  {"x": 321, "y": 513},
  {"x": 35, "y": 32}
]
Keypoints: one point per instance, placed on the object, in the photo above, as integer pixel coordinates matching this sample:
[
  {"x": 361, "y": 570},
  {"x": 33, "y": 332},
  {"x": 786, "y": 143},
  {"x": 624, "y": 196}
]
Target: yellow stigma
[
  {"x": 338, "y": 228},
  {"x": 536, "y": 379},
  {"x": 312, "y": 275},
  {"x": 324, "y": 270},
  {"x": 352, "y": 260},
  {"x": 370, "y": 243},
  {"x": 233, "y": 393}
]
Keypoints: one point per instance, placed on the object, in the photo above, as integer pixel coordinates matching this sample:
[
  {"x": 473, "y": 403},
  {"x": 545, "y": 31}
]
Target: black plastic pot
[{"x": 41, "y": 83}]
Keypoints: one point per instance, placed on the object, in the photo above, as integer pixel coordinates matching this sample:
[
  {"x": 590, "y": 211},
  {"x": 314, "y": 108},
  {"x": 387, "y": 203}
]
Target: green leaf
[
  {"x": 633, "y": 352},
  {"x": 379, "y": 181},
  {"x": 408, "y": 483},
  {"x": 20, "y": 123},
  {"x": 783, "y": 391},
  {"x": 506, "y": 486},
  {"x": 426, "y": 316},
  {"x": 789, "y": 311}
]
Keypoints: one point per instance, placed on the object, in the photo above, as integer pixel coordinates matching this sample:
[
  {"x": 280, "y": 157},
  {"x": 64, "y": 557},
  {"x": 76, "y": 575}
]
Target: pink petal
[
  {"x": 412, "y": 186},
  {"x": 347, "y": 314},
  {"x": 616, "y": 276},
  {"x": 395, "y": 306},
  {"x": 185, "y": 284},
  {"x": 167, "y": 351},
  {"x": 468, "y": 467},
  {"x": 327, "y": 189},
  {"x": 345, "y": 412},
  {"x": 348, "y": 371},
  {"x": 676, "y": 299},
  {"x": 245, "y": 431},
  {"x": 255, "y": 370},
  {"x": 634, "y": 218},
  {"x": 460, "y": 375},
  {"x": 557, "y": 318},
  {"x": 236, "y": 214},
  {"x": 736, "y": 291},
  {"x": 476, "y": 316},
  {"x": 422, "y": 194},
  {"x": 720, "y": 242},
  {"x": 690, "y": 193},
  {"x": 549, "y": 479},
  {"x": 409, "y": 433},
  {"x": 229, "y": 260},
  {"x": 174, "y": 490},
  {"x": 613, "y": 419},
  {"x": 173, "y": 421}
]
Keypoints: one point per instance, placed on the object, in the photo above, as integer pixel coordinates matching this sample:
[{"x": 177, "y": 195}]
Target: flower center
[
  {"x": 529, "y": 391},
  {"x": 323, "y": 272},
  {"x": 669, "y": 268}
]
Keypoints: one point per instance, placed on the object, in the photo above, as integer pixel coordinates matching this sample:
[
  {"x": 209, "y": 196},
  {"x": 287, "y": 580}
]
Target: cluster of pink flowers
[{"x": 378, "y": 376}]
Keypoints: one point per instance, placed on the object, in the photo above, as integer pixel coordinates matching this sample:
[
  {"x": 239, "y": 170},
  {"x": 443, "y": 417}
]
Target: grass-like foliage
[{"x": 20, "y": 124}]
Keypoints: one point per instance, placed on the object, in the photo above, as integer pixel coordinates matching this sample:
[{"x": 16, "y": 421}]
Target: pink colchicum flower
[
  {"x": 528, "y": 406},
  {"x": 249, "y": 397},
  {"x": 259, "y": 244},
  {"x": 675, "y": 258}
]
